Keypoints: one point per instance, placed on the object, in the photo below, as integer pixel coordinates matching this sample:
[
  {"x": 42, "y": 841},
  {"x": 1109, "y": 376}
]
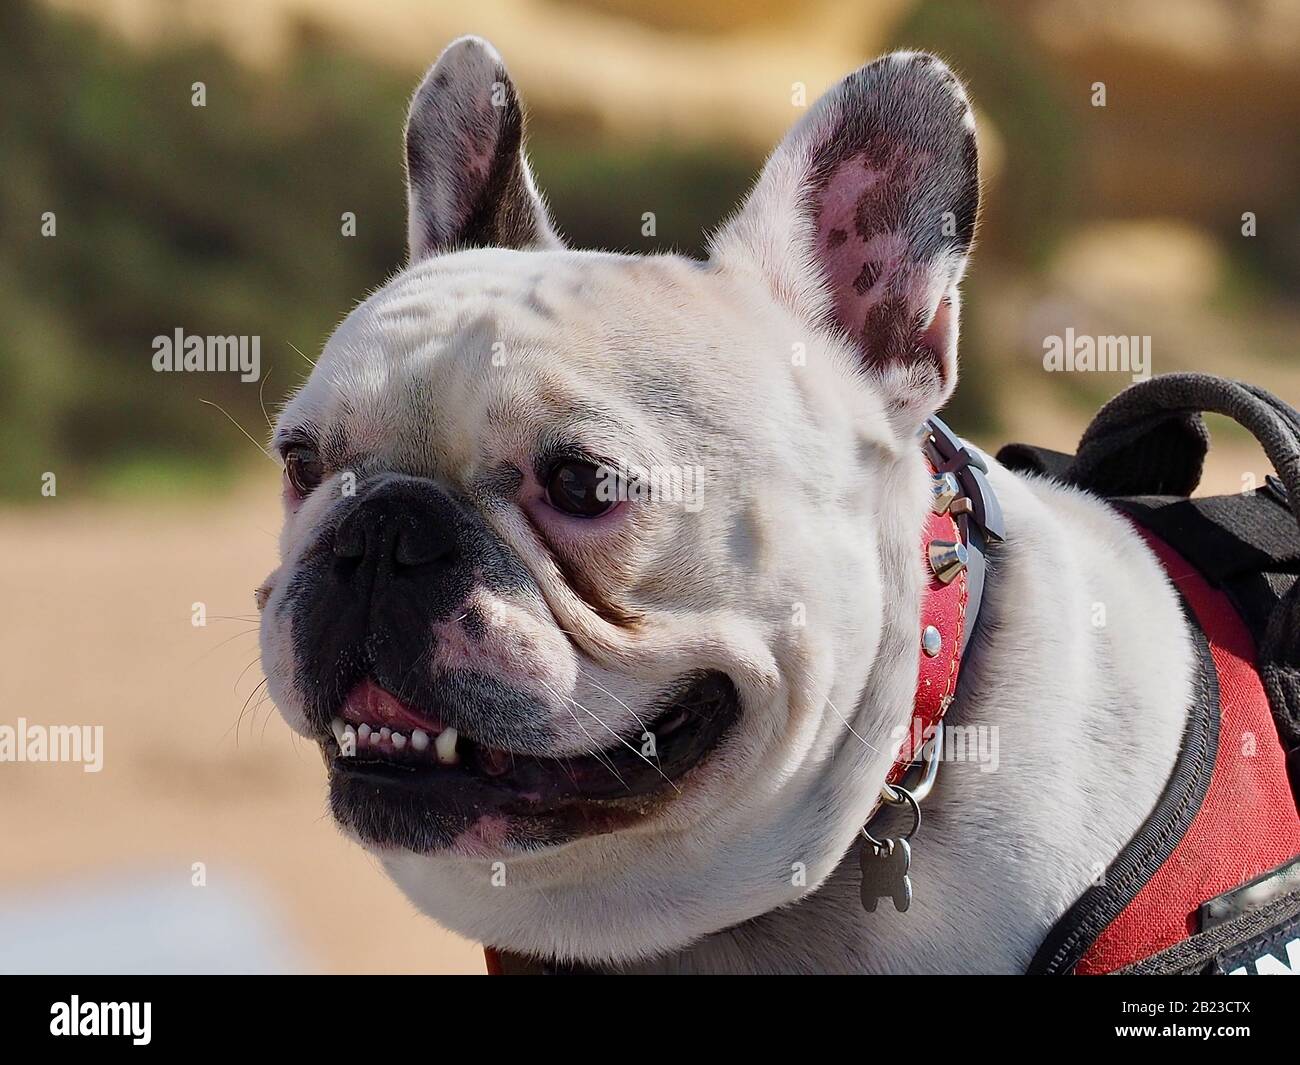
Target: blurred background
[{"x": 1170, "y": 212}]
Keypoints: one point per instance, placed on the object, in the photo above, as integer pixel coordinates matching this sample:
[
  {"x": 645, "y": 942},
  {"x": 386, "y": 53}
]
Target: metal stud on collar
[
  {"x": 947, "y": 559},
  {"x": 931, "y": 641},
  {"x": 943, "y": 490}
]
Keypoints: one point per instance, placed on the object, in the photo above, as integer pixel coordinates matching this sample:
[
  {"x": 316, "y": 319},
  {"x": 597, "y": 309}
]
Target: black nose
[
  {"x": 403, "y": 555},
  {"x": 398, "y": 530}
]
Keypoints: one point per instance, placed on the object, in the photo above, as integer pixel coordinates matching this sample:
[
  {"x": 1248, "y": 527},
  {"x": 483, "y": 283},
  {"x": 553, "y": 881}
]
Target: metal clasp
[{"x": 930, "y": 752}]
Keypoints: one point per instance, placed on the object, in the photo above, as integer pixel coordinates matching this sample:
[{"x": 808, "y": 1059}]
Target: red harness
[{"x": 1247, "y": 823}]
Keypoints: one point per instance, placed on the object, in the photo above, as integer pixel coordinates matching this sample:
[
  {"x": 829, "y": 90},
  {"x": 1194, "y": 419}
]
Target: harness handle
[{"x": 1151, "y": 440}]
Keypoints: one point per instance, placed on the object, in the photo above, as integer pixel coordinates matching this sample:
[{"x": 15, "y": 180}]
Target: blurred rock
[{"x": 1161, "y": 262}]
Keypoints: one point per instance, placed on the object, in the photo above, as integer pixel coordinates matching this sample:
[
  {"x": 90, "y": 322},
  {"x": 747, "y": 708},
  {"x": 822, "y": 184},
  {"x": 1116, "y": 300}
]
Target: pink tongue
[{"x": 369, "y": 704}]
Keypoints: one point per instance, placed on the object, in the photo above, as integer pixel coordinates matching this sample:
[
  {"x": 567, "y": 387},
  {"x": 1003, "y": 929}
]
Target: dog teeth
[
  {"x": 351, "y": 738},
  {"x": 345, "y": 735},
  {"x": 446, "y": 746}
]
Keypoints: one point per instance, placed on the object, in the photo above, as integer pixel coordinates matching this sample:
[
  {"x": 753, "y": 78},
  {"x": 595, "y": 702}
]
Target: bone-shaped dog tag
[{"x": 884, "y": 874}]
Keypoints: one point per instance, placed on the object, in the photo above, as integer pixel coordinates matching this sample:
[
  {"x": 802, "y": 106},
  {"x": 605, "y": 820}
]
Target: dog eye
[
  {"x": 582, "y": 489},
  {"x": 303, "y": 467}
]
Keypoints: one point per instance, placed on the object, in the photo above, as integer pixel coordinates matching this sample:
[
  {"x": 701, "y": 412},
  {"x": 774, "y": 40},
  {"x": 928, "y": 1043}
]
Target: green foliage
[
  {"x": 219, "y": 219},
  {"x": 599, "y": 192},
  {"x": 226, "y": 219}
]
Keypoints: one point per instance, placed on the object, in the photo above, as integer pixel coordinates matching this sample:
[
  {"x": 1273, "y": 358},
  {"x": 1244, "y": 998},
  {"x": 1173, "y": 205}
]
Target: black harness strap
[
  {"x": 1082, "y": 923},
  {"x": 1151, "y": 440},
  {"x": 1144, "y": 451}
]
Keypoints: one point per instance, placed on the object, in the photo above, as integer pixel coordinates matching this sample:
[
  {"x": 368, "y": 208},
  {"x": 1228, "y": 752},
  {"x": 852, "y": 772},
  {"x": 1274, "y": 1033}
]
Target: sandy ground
[{"x": 95, "y": 629}]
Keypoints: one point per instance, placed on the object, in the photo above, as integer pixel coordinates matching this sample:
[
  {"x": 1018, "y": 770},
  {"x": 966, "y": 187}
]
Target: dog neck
[
  {"x": 1086, "y": 716},
  {"x": 964, "y": 519}
]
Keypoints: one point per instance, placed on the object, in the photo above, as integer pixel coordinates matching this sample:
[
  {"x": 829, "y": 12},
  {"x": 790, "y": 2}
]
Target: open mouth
[
  {"x": 401, "y": 776},
  {"x": 374, "y": 723}
]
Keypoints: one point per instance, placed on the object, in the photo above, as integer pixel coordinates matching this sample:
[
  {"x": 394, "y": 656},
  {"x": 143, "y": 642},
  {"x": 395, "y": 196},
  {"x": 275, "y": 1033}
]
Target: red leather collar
[
  {"x": 943, "y": 609},
  {"x": 964, "y": 517}
]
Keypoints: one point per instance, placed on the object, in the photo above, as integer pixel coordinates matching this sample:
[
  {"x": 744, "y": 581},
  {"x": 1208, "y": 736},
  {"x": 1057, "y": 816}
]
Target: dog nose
[{"x": 397, "y": 531}]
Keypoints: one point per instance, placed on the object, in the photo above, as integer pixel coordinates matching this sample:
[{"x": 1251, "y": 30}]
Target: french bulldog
[{"x": 582, "y": 715}]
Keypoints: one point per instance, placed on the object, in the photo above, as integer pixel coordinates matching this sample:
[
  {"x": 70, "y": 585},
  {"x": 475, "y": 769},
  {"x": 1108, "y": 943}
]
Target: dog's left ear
[
  {"x": 467, "y": 179},
  {"x": 862, "y": 222}
]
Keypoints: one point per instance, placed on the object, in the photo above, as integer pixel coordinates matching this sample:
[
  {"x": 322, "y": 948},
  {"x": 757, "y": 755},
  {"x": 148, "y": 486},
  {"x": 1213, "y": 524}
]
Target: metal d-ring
[
  {"x": 906, "y": 797},
  {"x": 889, "y": 793}
]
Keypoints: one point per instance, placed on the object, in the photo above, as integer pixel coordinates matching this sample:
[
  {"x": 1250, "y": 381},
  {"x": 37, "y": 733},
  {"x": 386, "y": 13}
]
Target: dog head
[{"x": 599, "y": 573}]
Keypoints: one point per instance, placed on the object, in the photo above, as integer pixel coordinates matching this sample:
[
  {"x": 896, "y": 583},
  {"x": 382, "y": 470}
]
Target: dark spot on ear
[
  {"x": 878, "y": 149},
  {"x": 418, "y": 173},
  {"x": 867, "y": 278},
  {"x": 835, "y": 238},
  {"x": 882, "y": 206},
  {"x": 966, "y": 209},
  {"x": 889, "y": 332},
  {"x": 474, "y": 624}
]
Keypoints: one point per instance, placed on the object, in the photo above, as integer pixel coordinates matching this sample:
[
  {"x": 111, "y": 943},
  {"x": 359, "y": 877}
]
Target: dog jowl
[{"x": 617, "y": 692}]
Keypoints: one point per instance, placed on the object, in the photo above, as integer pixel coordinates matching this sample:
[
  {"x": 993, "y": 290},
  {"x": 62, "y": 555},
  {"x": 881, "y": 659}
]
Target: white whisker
[
  {"x": 616, "y": 736},
  {"x": 850, "y": 727},
  {"x": 242, "y": 430}
]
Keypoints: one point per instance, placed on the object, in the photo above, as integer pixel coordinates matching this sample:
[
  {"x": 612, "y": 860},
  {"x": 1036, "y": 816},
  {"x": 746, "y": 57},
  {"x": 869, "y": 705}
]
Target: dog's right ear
[
  {"x": 467, "y": 179},
  {"x": 862, "y": 220}
]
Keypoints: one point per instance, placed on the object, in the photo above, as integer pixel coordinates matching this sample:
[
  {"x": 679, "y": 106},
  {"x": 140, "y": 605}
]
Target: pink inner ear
[
  {"x": 878, "y": 293},
  {"x": 860, "y": 262},
  {"x": 475, "y": 147},
  {"x": 478, "y": 135}
]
